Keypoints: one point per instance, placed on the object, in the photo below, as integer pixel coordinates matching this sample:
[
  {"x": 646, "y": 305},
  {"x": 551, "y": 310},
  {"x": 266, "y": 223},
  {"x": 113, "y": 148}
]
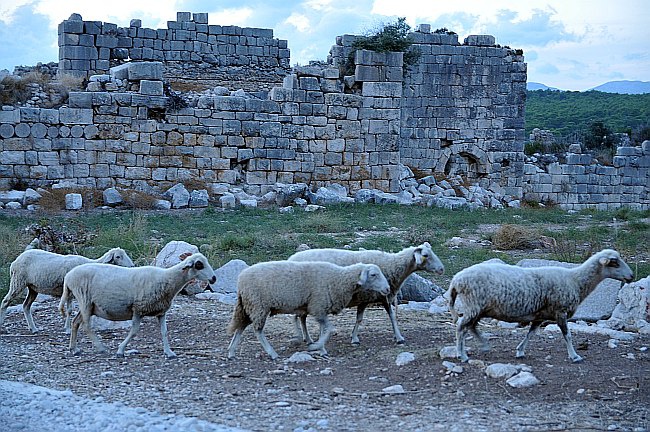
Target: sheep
[
  {"x": 40, "y": 271},
  {"x": 395, "y": 266},
  {"x": 528, "y": 295},
  {"x": 289, "y": 287},
  {"x": 120, "y": 294}
]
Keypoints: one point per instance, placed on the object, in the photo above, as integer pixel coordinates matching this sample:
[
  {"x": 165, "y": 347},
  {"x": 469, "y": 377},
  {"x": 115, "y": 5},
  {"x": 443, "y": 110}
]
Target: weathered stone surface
[
  {"x": 199, "y": 198},
  {"x": 522, "y": 380},
  {"x": 73, "y": 201},
  {"x": 227, "y": 276},
  {"x": 418, "y": 289},
  {"x": 178, "y": 195},
  {"x": 112, "y": 197},
  {"x": 501, "y": 370}
]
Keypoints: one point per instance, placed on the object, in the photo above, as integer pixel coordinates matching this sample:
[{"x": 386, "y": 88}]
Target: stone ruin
[{"x": 252, "y": 123}]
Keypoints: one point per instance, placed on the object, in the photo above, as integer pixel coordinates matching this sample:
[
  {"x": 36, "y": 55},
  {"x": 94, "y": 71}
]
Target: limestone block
[
  {"x": 112, "y": 197},
  {"x": 480, "y": 40},
  {"x": 73, "y": 201},
  {"x": 10, "y": 116},
  {"x": 153, "y": 88},
  {"x": 75, "y": 115},
  {"x": 145, "y": 71},
  {"x": 228, "y": 200},
  {"x": 227, "y": 276},
  {"x": 6, "y": 130},
  {"x": 199, "y": 198}
]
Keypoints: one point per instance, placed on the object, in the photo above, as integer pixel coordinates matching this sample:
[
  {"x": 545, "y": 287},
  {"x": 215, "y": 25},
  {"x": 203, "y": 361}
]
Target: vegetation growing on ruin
[{"x": 391, "y": 37}]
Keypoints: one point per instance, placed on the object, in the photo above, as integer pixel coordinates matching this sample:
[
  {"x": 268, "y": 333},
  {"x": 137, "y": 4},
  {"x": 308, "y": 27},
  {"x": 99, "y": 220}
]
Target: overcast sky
[{"x": 568, "y": 44}]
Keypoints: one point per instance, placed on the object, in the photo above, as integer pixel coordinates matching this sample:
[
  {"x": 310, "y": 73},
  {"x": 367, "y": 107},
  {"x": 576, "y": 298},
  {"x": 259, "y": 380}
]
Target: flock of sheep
[{"x": 316, "y": 282}]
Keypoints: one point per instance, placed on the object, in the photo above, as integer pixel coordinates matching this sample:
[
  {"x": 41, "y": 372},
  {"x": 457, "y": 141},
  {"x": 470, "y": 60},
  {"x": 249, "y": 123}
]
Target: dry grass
[
  {"x": 188, "y": 86},
  {"x": 53, "y": 200},
  {"x": 16, "y": 90},
  {"x": 138, "y": 200},
  {"x": 510, "y": 237}
]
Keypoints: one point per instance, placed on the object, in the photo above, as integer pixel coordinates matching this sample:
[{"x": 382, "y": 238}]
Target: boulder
[
  {"x": 418, "y": 289},
  {"x": 227, "y": 276},
  {"x": 332, "y": 194},
  {"x": 199, "y": 198},
  {"x": 287, "y": 193},
  {"x": 178, "y": 195},
  {"x": 112, "y": 197}
]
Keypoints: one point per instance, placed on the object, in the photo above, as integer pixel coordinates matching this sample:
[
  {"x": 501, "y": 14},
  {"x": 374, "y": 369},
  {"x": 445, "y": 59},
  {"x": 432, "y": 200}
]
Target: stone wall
[
  {"x": 306, "y": 131},
  {"x": 192, "y": 51},
  {"x": 583, "y": 183},
  {"x": 462, "y": 111}
]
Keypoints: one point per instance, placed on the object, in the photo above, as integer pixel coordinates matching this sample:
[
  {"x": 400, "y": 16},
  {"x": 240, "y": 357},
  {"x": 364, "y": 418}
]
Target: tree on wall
[{"x": 391, "y": 37}]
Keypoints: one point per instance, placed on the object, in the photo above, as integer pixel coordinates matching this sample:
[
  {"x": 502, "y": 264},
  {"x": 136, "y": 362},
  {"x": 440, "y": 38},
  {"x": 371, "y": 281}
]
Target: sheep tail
[
  {"x": 240, "y": 318},
  {"x": 64, "y": 299},
  {"x": 451, "y": 295}
]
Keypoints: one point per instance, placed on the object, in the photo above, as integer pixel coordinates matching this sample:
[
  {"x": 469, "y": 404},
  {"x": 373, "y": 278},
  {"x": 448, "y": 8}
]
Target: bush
[{"x": 392, "y": 37}]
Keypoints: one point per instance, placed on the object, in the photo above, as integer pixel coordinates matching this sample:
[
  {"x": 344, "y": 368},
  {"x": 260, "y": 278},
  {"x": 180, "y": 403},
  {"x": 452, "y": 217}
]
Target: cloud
[
  {"x": 31, "y": 47},
  {"x": 235, "y": 16},
  {"x": 541, "y": 29},
  {"x": 299, "y": 21}
]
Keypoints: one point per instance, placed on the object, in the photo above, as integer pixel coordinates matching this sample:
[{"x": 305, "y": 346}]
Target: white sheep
[
  {"x": 395, "y": 266},
  {"x": 286, "y": 287},
  {"x": 528, "y": 295},
  {"x": 120, "y": 294},
  {"x": 39, "y": 271}
]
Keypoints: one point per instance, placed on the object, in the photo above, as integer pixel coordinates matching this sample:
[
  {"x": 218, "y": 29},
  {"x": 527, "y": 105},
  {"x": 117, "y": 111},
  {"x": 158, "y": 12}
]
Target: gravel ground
[{"x": 202, "y": 390}]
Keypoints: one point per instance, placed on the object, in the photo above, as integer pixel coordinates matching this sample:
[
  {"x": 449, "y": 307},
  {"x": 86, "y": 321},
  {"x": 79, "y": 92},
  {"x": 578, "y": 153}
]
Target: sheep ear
[
  {"x": 419, "y": 259},
  {"x": 604, "y": 261},
  {"x": 111, "y": 257},
  {"x": 184, "y": 255},
  {"x": 363, "y": 277}
]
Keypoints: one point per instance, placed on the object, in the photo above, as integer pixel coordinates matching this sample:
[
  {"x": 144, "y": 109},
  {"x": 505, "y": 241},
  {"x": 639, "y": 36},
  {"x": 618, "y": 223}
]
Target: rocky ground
[{"x": 610, "y": 390}]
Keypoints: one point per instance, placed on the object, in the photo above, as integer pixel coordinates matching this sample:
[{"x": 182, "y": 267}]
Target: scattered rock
[
  {"x": 227, "y": 276},
  {"x": 300, "y": 357},
  {"x": 73, "y": 201},
  {"x": 501, "y": 370},
  {"x": 394, "y": 389},
  {"x": 404, "y": 358},
  {"x": 522, "y": 380}
]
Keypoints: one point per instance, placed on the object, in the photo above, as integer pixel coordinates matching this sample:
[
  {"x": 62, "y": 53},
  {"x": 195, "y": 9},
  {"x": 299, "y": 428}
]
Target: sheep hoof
[
  {"x": 356, "y": 342},
  {"x": 119, "y": 354},
  {"x": 170, "y": 355},
  {"x": 400, "y": 342},
  {"x": 577, "y": 359},
  {"x": 520, "y": 354}
]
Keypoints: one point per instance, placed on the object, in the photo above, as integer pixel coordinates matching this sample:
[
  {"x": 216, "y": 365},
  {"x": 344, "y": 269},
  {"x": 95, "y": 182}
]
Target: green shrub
[{"x": 392, "y": 37}]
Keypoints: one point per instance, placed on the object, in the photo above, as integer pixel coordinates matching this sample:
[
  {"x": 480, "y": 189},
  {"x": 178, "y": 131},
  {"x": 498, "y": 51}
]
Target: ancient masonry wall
[
  {"x": 191, "y": 50},
  {"x": 580, "y": 183},
  {"x": 463, "y": 108},
  {"x": 306, "y": 131}
]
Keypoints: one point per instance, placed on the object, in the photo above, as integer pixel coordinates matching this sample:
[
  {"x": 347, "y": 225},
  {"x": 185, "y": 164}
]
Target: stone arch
[{"x": 466, "y": 160}]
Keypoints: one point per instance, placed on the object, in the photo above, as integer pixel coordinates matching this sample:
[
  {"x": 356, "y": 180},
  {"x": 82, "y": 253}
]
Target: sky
[{"x": 568, "y": 44}]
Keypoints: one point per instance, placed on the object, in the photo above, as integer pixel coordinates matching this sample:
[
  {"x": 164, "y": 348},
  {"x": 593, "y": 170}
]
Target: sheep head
[
  {"x": 198, "y": 267},
  {"x": 425, "y": 259},
  {"x": 372, "y": 279},
  {"x": 119, "y": 257},
  {"x": 612, "y": 266}
]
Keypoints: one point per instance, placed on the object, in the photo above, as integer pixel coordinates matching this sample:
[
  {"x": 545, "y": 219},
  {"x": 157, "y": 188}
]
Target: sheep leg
[
  {"x": 521, "y": 348},
  {"x": 562, "y": 323},
  {"x": 302, "y": 334},
  {"x": 485, "y": 346},
  {"x": 5, "y": 304},
  {"x": 73, "y": 334},
  {"x": 162, "y": 320},
  {"x": 265, "y": 343},
  {"x": 464, "y": 324},
  {"x": 325, "y": 332},
  {"x": 135, "y": 327},
  {"x": 355, "y": 332},
  {"x": 68, "y": 313},
  {"x": 393, "y": 319},
  {"x": 234, "y": 343},
  {"x": 27, "y": 309}
]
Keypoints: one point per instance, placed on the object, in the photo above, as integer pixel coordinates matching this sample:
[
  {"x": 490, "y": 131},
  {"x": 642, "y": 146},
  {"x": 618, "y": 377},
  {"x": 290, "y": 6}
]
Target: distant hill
[
  {"x": 538, "y": 86},
  {"x": 567, "y": 112},
  {"x": 624, "y": 87}
]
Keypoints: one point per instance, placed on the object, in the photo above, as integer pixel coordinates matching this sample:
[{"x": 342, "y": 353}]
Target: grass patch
[{"x": 256, "y": 235}]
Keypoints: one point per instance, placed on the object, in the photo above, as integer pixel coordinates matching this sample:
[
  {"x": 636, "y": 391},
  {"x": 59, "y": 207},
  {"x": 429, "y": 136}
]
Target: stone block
[
  {"x": 145, "y": 71},
  {"x": 152, "y": 88},
  {"x": 73, "y": 201},
  {"x": 480, "y": 40},
  {"x": 10, "y": 116},
  {"x": 69, "y": 115}
]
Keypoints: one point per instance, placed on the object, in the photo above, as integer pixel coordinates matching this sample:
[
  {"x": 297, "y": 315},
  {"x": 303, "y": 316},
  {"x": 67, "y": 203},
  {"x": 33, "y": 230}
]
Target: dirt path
[{"x": 610, "y": 390}]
